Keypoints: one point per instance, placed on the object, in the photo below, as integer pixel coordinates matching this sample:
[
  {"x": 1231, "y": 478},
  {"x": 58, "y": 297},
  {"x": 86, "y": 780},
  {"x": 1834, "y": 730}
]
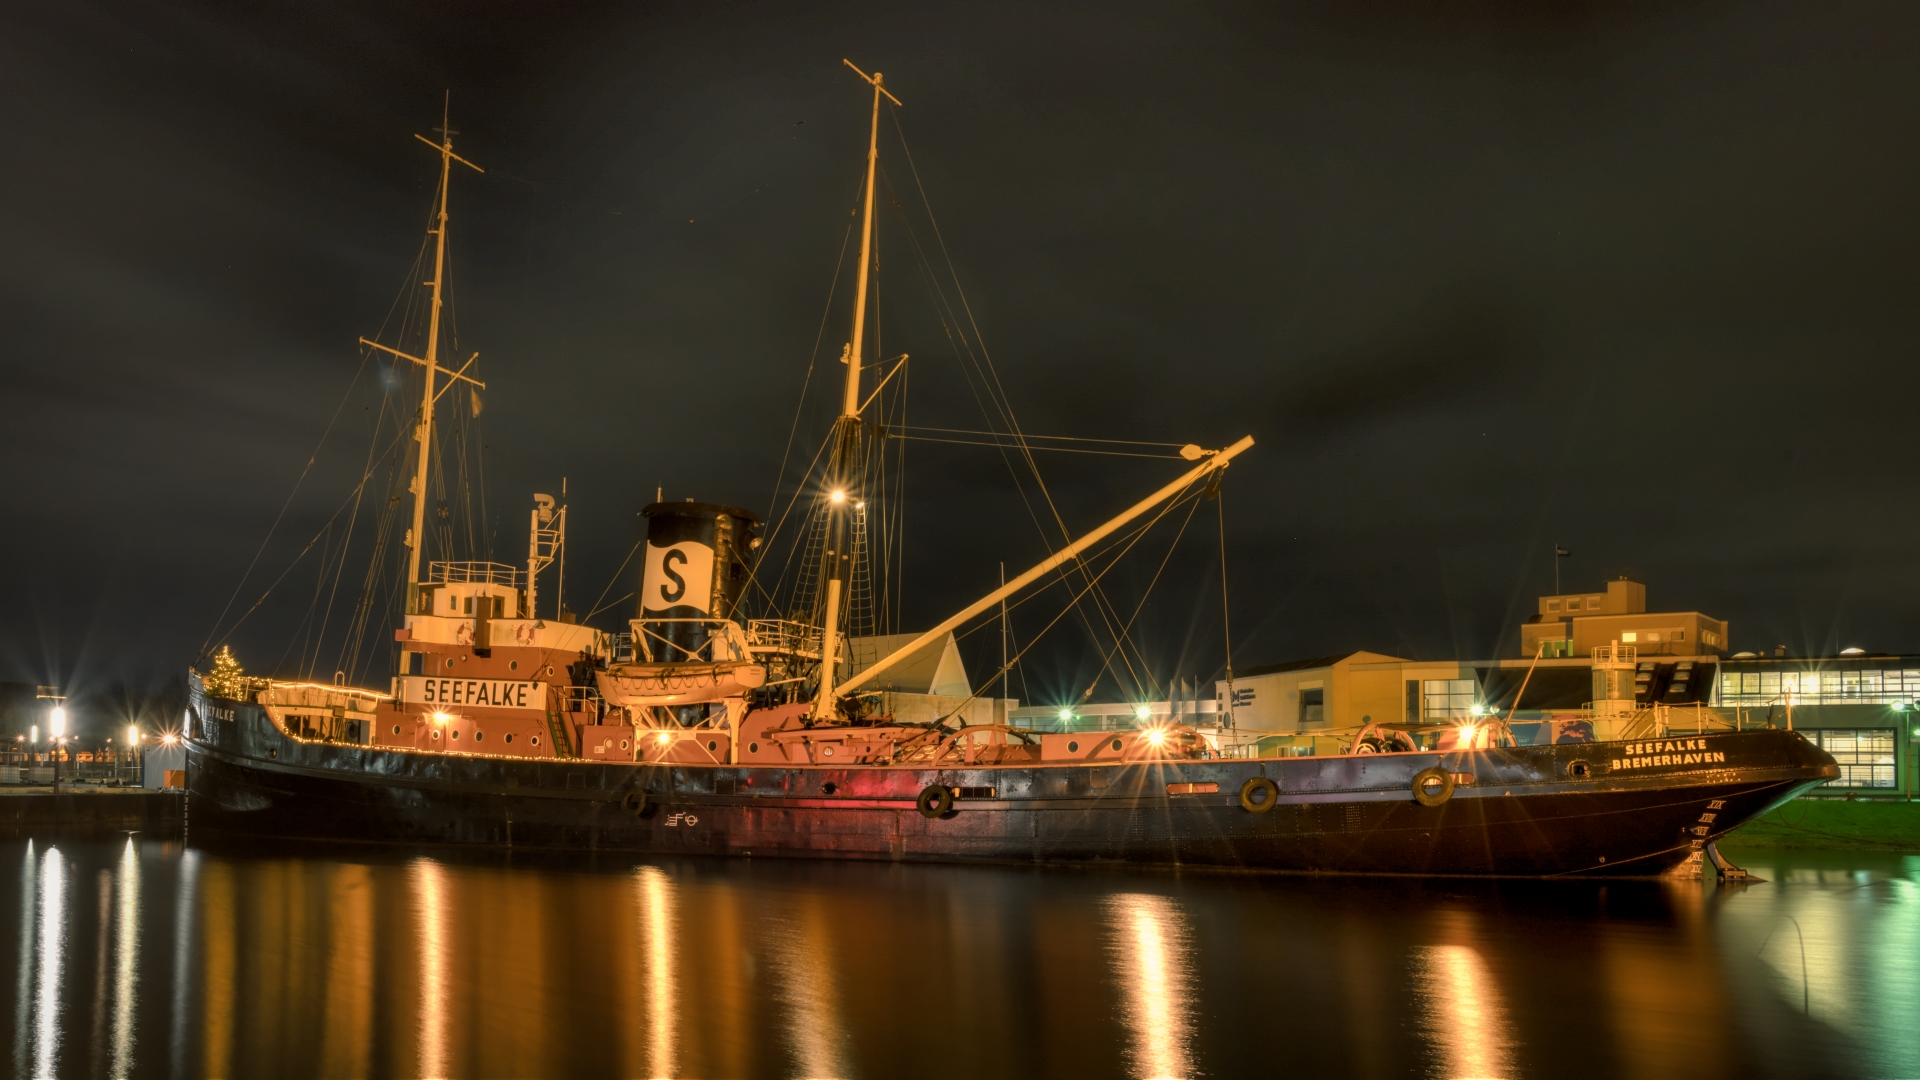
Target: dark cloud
[{"x": 1478, "y": 278}]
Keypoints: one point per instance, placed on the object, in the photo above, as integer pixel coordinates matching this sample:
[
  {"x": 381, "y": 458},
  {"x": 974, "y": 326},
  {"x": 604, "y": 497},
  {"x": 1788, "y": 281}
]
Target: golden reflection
[
  {"x": 103, "y": 921},
  {"x": 1463, "y": 1014},
  {"x": 23, "y": 980},
  {"x": 805, "y": 981},
  {"x": 348, "y": 1015},
  {"x": 126, "y": 959},
  {"x": 46, "y": 998},
  {"x": 219, "y": 926},
  {"x": 1152, "y": 960},
  {"x": 429, "y": 909},
  {"x": 657, "y": 923}
]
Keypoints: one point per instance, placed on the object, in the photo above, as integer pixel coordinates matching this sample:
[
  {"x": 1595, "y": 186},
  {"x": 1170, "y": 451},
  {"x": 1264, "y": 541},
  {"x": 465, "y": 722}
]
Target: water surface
[{"x": 138, "y": 956}]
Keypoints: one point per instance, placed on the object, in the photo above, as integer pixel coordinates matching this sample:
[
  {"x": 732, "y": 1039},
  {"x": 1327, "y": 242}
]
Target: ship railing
[
  {"x": 470, "y": 573},
  {"x": 783, "y": 636},
  {"x": 579, "y": 699},
  {"x": 1616, "y": 654}
]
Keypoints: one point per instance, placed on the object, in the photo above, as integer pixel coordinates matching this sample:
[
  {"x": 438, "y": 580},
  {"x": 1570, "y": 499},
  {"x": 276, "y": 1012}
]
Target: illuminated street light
[
  {"x": 58, "y": 727},
  {"x": 133, "y": 734}
]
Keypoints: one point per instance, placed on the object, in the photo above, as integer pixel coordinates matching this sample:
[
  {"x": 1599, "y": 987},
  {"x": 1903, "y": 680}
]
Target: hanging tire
[
  {"x": 1431, "y": 787},
  {"x": 634, "y": 802},
  {"x": 935, "y": 800},
  {"x": 1267, "y": 791}
]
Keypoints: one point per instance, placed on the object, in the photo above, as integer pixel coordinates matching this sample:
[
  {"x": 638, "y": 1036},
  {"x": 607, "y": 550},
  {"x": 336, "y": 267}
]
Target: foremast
[
  {"x": 423, "y": 426},
  {"x": 844, "y": 469}
]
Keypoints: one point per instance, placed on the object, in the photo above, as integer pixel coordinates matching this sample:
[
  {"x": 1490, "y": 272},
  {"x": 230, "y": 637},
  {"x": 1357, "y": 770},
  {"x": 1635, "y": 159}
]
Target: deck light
[
  {"x": 169, "y": 740},
  {"x": 133, "y": 734},
  {"x": 838, "y": 496},
  {"x": 1467, "y": 734},
  {"x": 1156, "y": 736},
  {"x": 1142, "y": 712},
  {"x": 665, "y": 738},
  {"x": 1066, "y": 714},
  {"x": 59, "y": 725},
  {"x": 441, "y": 718}
]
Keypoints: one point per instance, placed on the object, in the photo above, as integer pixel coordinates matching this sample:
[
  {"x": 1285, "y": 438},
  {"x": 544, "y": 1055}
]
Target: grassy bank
[{"x": 1834, "y": 825}]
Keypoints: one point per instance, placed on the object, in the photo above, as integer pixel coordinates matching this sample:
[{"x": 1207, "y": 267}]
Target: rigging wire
[
  {"x": 996, "y": 391},
  {"x": 1138, "y": 535},
  {"x": 1107, "y": 663},
  {"x": 315, "y": 456},
  {"x": 1052, "y": 449}
]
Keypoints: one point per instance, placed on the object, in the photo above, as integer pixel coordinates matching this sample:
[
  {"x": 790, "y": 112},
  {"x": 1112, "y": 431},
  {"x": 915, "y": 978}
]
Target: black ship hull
[{"x": 1586, "y": 809}]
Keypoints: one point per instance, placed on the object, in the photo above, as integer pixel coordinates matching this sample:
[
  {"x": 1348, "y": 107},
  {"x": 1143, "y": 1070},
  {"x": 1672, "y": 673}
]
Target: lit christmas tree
[{"x": 225, "y": 680}]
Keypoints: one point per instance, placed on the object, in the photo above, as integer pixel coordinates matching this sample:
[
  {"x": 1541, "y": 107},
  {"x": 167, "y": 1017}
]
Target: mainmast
[
  {"x": 843, "y": 469},
  {"x": 423, "y": 429}
]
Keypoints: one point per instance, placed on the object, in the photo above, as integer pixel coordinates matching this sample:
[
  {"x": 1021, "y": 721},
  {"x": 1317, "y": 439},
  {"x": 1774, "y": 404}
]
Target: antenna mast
[{"x": 846, "y": 435}]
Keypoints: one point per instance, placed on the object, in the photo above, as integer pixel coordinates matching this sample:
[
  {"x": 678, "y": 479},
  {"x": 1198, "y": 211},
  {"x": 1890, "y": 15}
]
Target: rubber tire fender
[
  {"x": 1259, "y": 783},
  {"x": 935, "y": 801},
  {"x": 1436, "y": 797},
  {"x": 634, "y": 801}
]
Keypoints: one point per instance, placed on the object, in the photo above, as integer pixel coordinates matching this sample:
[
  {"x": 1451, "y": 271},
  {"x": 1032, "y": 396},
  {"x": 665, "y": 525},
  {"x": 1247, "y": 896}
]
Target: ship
[{"x": 725, "y": 725}]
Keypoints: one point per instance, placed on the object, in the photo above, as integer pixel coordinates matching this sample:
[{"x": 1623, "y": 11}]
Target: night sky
[{"x": 1637, "y": 279}]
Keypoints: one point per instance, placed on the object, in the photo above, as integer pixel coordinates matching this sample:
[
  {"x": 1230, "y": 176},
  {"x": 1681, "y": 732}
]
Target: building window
[
  {"x": 1553, "y": 605},
  {"x": 1573, "y": 605},
  {"x": 499, "y": 607},
  {"x": 1447, "y": 699},
  {"x": 1313, "y": 706},
  {"x": 1865, "y": 755}
]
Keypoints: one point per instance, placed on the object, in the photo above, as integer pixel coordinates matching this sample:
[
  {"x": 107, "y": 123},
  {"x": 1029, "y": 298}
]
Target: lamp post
[{"x": 56, "y": 732}]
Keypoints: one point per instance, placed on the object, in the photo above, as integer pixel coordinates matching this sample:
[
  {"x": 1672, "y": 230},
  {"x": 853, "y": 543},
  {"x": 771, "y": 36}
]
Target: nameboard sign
[{"x": 439, "y": 693}]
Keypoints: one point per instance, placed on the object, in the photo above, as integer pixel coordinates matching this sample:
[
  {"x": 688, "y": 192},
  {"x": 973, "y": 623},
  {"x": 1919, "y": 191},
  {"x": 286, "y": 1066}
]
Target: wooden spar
[
  {"x": 423, "y": 431},
  {"x": 846, "y": 431},
  {"x": 1217, "y": 460}
]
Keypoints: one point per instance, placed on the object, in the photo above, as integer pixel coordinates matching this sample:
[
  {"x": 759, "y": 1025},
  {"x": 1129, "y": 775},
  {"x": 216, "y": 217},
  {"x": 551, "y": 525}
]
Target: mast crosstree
[
  {"x": 843, "y": 497},
  {"x": 423, "y": 428}
]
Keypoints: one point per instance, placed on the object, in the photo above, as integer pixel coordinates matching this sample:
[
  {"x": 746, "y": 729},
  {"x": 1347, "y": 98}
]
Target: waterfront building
[{"x": 1602, "y": 656}]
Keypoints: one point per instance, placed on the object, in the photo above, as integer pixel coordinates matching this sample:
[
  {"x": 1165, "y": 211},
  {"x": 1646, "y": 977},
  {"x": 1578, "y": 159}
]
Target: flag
[
  {"x": 476, "y": 401},
  {"x": 1560, "y": 552}
]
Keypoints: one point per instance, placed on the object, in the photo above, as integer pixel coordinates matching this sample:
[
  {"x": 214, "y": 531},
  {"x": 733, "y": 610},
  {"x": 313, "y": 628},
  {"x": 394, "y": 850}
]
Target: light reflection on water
[
  {"x": 1462, "y": 1012},
  {"x": 138, "y": 957},
  {"x": 1150, "y": 961}
]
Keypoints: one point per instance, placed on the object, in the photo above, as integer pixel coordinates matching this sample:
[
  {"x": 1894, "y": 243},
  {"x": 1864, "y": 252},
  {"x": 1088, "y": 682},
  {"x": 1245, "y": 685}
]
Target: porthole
[
  {"x": 623, "y": 744},
  {"x": 478, "y": 735},
  {"x": 513, "y": 665},
  {"x": 535, "y": 740},
  {"x": 1073, "y": 748},
  {"x": 509, "y": 736},
  {"x": 549, "y": 669},
  {"x": 713, "y": 745},
  {"x": 1116, "y": 744},
  {"x": 436, "y": 736},
  {"x": 753, "y": 748},
  {"x": 396, "y": 729},
  {"x": 449, "y": 661},
  {"x": 453, "y": 734},
  {"x": 829, "y": 750}
]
